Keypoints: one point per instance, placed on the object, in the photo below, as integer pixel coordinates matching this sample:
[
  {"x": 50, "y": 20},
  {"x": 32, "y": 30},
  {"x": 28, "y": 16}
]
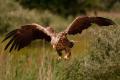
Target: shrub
[{"x": 102, "y": 61}]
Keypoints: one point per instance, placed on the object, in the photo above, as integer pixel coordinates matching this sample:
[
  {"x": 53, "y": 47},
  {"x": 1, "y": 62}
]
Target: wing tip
[{"x": 102, "y": 21}]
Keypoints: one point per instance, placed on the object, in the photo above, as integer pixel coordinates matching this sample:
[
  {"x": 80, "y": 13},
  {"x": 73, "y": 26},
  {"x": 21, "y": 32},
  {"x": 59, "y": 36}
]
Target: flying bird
[{"x": 20, "y": 38}]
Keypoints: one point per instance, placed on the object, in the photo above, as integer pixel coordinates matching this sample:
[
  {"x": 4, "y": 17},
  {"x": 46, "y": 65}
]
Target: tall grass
[{"x": 100, "y": 62}]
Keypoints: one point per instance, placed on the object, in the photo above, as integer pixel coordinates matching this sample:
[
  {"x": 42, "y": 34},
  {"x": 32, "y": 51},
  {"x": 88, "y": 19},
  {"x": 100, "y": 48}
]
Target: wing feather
[
  {"x": 11, "y": 40},
  {"x": 81, "y": 23},
  {"x": 9, "y": 35},
  {"x": 19, "y": 38}
]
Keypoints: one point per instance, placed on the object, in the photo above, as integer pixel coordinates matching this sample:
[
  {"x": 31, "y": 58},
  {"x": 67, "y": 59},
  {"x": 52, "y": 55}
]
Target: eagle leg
[
  {"x": 60, "y": 54},
  {"x": 67, "y": 54}
]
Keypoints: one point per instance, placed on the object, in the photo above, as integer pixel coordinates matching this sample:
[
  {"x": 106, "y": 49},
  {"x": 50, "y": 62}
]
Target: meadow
[{"x": 95, "y": 57}]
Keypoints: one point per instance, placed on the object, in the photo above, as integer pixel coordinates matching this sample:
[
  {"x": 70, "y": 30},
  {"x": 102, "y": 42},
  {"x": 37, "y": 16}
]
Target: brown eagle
[{"x": 19, "y": 38}]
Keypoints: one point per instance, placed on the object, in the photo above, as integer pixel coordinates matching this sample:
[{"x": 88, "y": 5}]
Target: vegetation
[
  {"x": 96, "y": 57},
  {"x": 69, "y": 7},
  {"x": 13, "y": 15}
]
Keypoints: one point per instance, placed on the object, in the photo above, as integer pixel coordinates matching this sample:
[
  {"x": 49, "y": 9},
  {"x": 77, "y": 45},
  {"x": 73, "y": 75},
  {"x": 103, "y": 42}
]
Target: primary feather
[
  {"x": 19, "y": 38},
  {"x": 81, "y": 23}
]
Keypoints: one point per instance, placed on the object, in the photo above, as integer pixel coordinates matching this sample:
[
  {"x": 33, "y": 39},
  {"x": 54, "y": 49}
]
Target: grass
[
  {"x": 100, "y": 61},
  {"x": 96, "y": 57}
]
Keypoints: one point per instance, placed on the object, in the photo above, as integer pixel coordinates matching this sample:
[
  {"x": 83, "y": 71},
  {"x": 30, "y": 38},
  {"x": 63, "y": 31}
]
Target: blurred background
[
  {"x": 95, "y": 57},
  {"x": 55, "y": 13}
]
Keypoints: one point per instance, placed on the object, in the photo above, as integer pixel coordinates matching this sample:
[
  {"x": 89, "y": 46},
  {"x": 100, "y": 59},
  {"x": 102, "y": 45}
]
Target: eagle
[{"x": 22, "y": 37}]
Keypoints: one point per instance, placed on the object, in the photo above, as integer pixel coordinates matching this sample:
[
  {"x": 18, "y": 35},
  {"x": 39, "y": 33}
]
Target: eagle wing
[
  {"x": 81, "y": 23},
  {"x": 19, "y": 38}
]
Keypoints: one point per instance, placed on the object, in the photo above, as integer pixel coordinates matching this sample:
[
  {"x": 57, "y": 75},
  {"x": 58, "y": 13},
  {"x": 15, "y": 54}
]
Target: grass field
[{"x": 95, "y": 57}]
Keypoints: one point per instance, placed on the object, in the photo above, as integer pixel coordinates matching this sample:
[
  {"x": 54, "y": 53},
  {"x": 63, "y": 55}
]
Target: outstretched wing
[
  {"x": 23, "y": 36},
  {"x": 81, "y": 23}
]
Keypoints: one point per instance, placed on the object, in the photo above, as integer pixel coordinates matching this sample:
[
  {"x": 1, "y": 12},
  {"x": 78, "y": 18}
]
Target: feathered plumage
[
  {"x": 19, "y": 38},
  {"x": 81, "y": 23}
]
